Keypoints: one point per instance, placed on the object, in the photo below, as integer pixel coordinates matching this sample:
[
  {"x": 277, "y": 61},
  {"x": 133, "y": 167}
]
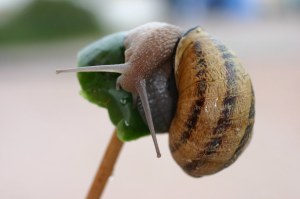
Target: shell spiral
[{"x": 215, "y": 110}]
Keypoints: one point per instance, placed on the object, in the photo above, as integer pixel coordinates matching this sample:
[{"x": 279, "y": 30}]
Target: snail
[{"x": 204, "y": 89}]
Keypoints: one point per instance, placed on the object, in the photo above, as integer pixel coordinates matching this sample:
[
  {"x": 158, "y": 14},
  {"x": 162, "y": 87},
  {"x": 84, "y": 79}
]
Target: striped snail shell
[{"x": 214, "y": 112}]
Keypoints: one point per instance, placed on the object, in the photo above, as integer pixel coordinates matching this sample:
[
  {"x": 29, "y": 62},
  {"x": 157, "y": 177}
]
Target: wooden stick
[{"x": 106, "y": 167}]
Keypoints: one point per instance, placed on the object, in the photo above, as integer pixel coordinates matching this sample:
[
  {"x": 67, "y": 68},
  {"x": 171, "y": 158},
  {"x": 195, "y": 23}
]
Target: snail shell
[{"x": 215, "y": 109}]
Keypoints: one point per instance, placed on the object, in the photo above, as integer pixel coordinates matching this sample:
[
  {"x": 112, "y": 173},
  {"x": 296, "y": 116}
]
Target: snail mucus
[{"x": 192, "y": 86}]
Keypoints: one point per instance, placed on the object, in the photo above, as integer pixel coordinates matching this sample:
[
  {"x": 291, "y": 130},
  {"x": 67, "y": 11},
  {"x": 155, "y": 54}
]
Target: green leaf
[{"x": 100, "y": 88}]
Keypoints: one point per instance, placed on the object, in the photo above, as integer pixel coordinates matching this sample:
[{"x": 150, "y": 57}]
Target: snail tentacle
[
  {"x": 114, "y": 68},
  {"x": 142, "y": 92}
]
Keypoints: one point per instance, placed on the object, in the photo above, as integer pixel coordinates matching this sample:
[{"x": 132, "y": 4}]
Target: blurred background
[{"x": 52, "y": 140}]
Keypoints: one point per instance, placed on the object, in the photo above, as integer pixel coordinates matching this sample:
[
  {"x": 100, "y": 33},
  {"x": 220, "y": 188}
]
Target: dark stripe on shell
[
  {"x": 192, "y": 120},
  {"x": 252, "y": 108},
  {"x": 247, "y": 133},
  {"x": 190, "y": 30},
  {"x": 196, "y": 106},
  {"x": 210, "y": 149},
  {"x": 212, "y": 146},
  {"x": 202, "y": 65},
  {"x": 229, "y": 101},
  {"x": 224, "y": 121}
]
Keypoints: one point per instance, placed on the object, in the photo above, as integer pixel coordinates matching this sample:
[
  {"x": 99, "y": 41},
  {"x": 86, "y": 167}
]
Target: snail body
[
  {"x": 147, "y": 47},
  {"x": 214, "y": 113}
]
